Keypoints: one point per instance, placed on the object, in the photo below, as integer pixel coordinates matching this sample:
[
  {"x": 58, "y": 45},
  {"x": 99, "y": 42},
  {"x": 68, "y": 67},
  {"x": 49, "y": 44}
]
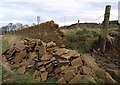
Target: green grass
[{"x": 81, "y": 40}]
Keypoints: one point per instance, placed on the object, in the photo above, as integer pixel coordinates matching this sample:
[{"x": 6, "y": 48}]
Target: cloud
[{"x": 62, "y": 11}]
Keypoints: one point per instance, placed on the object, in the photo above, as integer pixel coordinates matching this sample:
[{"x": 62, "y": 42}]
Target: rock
[
  {"x": 60, "y": 69},
  {"x": 60, "y": 60},
  {"x": 49, "y": 65},
  {"x": 51, "y": 44},
  {"x": 87, "y": 70},
  {"x": 32, "y": 55},
  {"x": 61, "y": 51},
  {"x": 61, "y": 80},
  {"x": 85, "y": 79},
  {"x": 114, "y": 73},
  {"x": 39, "y": 64},
  {"x": 13, "y": 53},
  {"x": 67, "y": 66},
  {"x": 20, "y": 46},
  {"x": 76, "y": 79},
  {"x": 105, "y": 76},
  {"x": 76, "y": 62},
  {"x": 31, "y": 64},
  {"x": 19, "y": 57},
  {"x": 46, "y": 57},
  {"x": 42, "y": 69},
  {"x": 67, "y": 69},
  {"x": 37, "y": 76},
  {"x": 109, "y": 78},
  {"x": 21, "y": 70},
  {"x": 44, "y": 76},
  {"x": 69, "y": 75},
  {"x": 34, "y": 74},
  {"x": 42, "y": 49},
  {"x": 6, "y": 65},
  {"x": 50, "y": 68},
  {"x": 89, "y": 61},
  {"x": 53, "y": 59},
  {"x": 52, "y": 48}
]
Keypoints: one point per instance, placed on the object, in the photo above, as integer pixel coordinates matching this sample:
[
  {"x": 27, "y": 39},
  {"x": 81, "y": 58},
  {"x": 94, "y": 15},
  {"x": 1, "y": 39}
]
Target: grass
[
  {"x": 5, "y": 45},
  {"x": 81, "y": 40}
]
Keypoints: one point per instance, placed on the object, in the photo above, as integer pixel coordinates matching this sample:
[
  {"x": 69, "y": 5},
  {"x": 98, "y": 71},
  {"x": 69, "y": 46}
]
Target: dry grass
[{"x": 12, "y": 39}]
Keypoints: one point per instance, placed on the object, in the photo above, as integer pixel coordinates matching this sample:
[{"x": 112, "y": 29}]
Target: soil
[{"x": 111, "y": 57}]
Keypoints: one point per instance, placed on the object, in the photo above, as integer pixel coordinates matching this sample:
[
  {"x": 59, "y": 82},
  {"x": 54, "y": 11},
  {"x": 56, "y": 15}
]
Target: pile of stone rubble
[{"x": 47, "y": 59}]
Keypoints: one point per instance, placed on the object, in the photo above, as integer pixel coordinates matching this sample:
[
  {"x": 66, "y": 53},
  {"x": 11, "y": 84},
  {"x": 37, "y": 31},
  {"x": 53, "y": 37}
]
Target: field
[{"x": 80, "y": 40}]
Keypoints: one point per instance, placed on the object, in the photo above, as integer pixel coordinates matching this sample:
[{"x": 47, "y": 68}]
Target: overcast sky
[{"x": 62, "y": 12}]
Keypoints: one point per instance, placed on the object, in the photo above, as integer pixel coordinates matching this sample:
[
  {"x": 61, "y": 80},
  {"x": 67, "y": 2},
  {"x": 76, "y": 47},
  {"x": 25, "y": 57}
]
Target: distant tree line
[{"x": 11, "y": 27}]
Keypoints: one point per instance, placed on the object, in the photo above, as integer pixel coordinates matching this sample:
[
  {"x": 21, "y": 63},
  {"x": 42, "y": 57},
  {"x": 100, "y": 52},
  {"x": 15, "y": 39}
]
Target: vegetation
[{"x": 81, "y": 40}]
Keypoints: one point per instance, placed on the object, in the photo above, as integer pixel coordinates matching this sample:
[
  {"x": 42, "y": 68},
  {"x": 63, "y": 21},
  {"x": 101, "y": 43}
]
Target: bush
[{"x": 81, "y": 40}]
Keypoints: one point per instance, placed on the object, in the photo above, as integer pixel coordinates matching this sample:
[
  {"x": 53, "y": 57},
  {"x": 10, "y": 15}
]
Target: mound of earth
[
  {"x": 111, "y": 57},
  {"x": 48, "y": 31},
  {"x": 47, "y": 59}
]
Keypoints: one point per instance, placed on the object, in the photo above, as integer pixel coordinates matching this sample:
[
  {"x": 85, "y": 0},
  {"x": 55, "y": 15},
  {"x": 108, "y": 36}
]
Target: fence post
[{"x": 104, "y": 30}]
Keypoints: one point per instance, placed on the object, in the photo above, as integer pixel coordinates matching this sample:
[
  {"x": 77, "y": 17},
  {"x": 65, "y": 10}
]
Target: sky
[{"x": 63, "y": 12}]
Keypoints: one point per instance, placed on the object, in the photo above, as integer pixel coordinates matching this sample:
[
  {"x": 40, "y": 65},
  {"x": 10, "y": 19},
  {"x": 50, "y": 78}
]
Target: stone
[
  {"x": 32, "y": 55},
  {"x": 87, "y": 79},
  {"x": 69, "y": 75},
  {"x": 46, "y": 62},
  {"x": 61, "y": 51},
  {"x": 114, "y": 73},
  {"x": 51, "y": 44},
  {"x": 109, "y": 79},
  {"x": 46, "y": 57},
  {"x": 60, "y": 60},
  {"x": 86, "y": 70},
  {"x": 52, "y": 48},
  {"x": 76, "y": 62},
  {"x": 42, "y": 49},
  {"x": 76, "y": 79},
  {"x": 89, "y": 61},
  {"x": 73, "y": 53},
  {"x": 5, "y": 64},
  {"x": 13, "y": 53},
  {"x": 21, "y": 70},
  {"x": 67, "y": 69},
  {"x": 61, "y": 80},
  {"x": 44, "y": 76},
  {"x": 53, "y": 59},
  {"x": 42, "y": 69},
  {"x": 19, "y": 56},
  {"x": 34, "y": 74},
  {"x": 31, "y": 64},
  {"x": 57, "y": 76},
  {"x": 60, "y": 69},
  {"x": 66, "y": 56},
  {"x": 20, "y": 46},
  {"x": 105, "y": 76},
  {"x": 30, "y": 61},
  {"x": 50, "y": 68},
  {"x": 39, "y": 64},
  {"x": 37, "y": 76},
  {"x": 23, "y": 62}
]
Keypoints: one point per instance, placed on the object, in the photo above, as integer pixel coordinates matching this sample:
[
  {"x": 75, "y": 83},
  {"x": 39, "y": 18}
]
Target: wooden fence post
[{"x": 104, "y": 30}]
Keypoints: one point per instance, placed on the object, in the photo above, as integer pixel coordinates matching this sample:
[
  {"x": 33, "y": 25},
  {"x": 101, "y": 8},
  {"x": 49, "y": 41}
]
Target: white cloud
[{"x": 62, "y": 11}]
